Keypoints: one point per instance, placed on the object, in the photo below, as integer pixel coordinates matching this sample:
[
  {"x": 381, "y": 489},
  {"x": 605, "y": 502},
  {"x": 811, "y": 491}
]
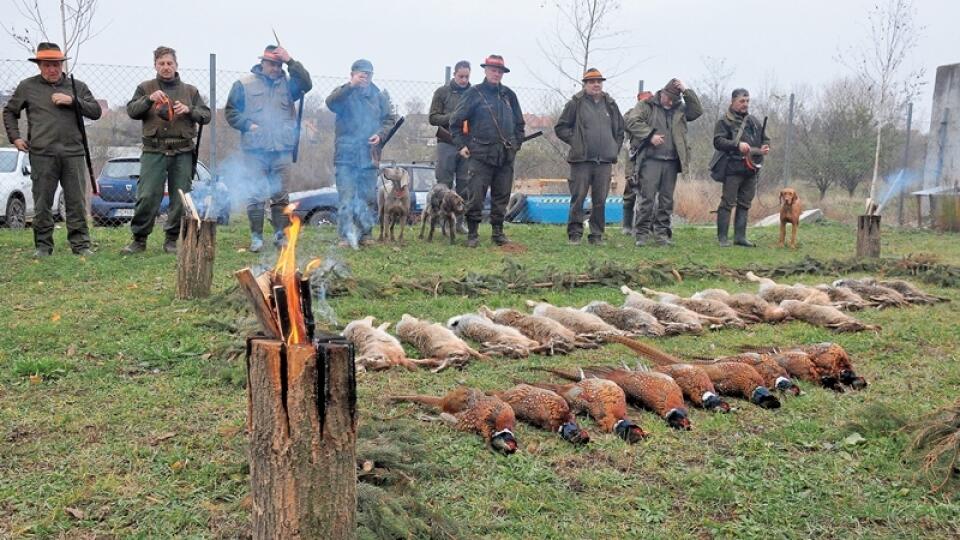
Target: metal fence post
[
  {"x": 640, "y": 87},
  {"x": 906, "y": 163},
  {"x": 787, "y": 144},
  {"x": 446, "y": 75},
  {"x": 213, "y": 109}
]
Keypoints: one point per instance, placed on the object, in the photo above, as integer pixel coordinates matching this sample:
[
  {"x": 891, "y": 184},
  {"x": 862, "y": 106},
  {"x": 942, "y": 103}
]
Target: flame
[
  {"x": 311, "y": 266},
  {"x": 286, "y": 274}
]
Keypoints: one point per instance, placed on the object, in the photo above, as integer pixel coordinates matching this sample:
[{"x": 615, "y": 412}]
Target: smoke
[{"x": 902, "y": 180}]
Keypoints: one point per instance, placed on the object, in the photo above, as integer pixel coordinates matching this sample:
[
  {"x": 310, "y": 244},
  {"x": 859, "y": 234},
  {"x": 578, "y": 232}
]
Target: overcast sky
[{"x": 784, "y": 43}]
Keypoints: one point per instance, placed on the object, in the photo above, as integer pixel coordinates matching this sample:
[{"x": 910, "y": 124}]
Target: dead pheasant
[
  {"x": 771, "y": 291},
  {"x": 830, "y": 359},
  {"x": 582, "y": 323},
  {"x": 676, "y": 319},
  {"x": 604, "y": 401},
  {"x": 650, "y": 390},
  {"x": 844, "y": 297},
  {"x": 375, "y": 349},
  {"x": 470, "y": 410},
  {"x": 749, "y": 306},
  {"x": 801, "y": 366},
  {"x": 553, "y": 336},
  {"x": 544, "y": 409},
  {"x": 872, "y": 292},
  {"x": 911, "y": 292},
  {"x": 493, "y": 338},
  {"x": 632, "y": 321},
  {"x": 704, "y": 306},
  {"x": 825, "y": 316},
  {"x": 774, "y": 375}
]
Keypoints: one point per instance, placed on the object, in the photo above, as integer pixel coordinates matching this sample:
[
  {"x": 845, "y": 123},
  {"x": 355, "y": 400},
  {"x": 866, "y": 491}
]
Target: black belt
[{"x": 171, "y": 144}]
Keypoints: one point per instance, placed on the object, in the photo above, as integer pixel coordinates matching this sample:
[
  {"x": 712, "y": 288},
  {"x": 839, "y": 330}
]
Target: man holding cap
[
  {"x": 364, "y": 116},
  {"x": 491, "y": 140},
  {"x": 593, "y": 127},
  {"x": 55, "y": 146},
  {"x": 663, "y": 155},
  {"x": 262, "y": 106}
]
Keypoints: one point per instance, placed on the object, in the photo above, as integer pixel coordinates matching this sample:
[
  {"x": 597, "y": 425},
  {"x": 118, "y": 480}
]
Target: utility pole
[
  {"x": 787, "y": 144},
  {"x": 906, "y": 164}
]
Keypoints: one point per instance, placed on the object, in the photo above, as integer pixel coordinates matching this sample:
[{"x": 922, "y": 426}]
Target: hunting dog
[
  {"x": 393, "y": 199},
  {"x": 443, "y": 205},
  {"x": 790, "y": 210}
]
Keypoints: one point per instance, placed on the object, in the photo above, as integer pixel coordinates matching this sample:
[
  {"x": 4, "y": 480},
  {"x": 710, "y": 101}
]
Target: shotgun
[
  {"x": 83, "y": 134},
  {"x": 532, "y": 136},
  {"x": 296, "y": 144},
  {"x": 196, "y": 149},
  {"x": 748, "y": 158},
  {"x": 376, "y": 151}
]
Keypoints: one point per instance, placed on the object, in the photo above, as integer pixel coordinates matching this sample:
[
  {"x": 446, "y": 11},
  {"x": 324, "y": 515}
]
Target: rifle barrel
[{"x": 83, "y": 134}]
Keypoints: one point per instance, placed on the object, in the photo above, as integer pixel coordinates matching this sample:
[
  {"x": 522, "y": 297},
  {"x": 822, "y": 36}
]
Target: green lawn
[{"x": 127, "y": 407}]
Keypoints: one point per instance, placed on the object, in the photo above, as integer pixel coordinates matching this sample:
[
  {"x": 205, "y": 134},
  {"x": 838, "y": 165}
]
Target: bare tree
[
  {"x": 714, "y": 84},
  {"x": 583, "y": 33},
  {"x": 76, "y": 25},
  {"x": 893, "y": 34}
]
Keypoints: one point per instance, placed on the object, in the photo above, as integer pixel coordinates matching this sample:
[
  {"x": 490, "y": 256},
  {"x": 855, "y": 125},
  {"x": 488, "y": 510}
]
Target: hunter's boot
[
  {"x": 256, "y": 228},
  {"x": 280, "y": 221},
  {"x": 473, "y": 238},
  {"x": 497, "y": 236},
  {"x": 723, "y": 227},
  {"x": 740, "y": 228},
  {"x": 628, "y": 203}
]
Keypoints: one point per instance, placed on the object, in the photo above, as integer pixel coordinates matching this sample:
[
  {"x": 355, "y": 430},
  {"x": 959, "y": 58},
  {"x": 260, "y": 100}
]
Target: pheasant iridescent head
[{"x": 504, "y": 442}]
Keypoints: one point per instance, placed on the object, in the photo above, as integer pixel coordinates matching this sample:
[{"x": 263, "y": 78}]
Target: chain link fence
[{"x": 116, "y": 135}]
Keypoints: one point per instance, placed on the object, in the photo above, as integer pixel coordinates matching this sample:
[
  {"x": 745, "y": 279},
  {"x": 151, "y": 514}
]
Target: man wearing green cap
[
  {"x": 55, "y": 146},
  {"x": 593, "y": 127},
  {"x": 364, "y": 116},
  {"x": 659, "y": 125},
  {"x": 262, "y": 106}
]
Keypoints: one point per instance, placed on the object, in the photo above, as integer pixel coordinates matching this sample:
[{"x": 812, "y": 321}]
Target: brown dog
[
  {"x": 443, "y": 206},
  {"x": 790, "y": 210}
]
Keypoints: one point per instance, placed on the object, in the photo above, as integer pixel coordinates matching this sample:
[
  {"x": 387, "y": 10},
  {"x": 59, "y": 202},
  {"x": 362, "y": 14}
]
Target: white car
[{"x": 16, "y": 190}]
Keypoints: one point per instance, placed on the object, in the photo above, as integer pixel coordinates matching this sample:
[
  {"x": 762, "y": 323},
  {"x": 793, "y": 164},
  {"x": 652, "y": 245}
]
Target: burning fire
[{"x": 290, "y": 287}]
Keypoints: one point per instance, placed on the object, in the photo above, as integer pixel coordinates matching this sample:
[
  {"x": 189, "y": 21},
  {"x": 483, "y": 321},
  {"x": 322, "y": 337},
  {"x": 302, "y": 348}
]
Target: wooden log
[
  {"x": 302, "y": 440},
  {"x": 196, "y": 252},
  {"x": 257, "y": 295},
  {"x": 868, "y": 236}
]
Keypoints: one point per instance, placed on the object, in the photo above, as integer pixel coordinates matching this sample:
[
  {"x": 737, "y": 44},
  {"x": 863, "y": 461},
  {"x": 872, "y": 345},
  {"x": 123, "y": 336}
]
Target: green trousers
[
  {"x": 156, "y": 172},
  {"x": 70, "y": 172}
]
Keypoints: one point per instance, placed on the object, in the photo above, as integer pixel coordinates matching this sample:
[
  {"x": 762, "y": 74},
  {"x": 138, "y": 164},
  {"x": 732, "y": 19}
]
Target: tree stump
[
  {"x": 868, "y": 236},
  {"x": 195, "y": 255},
  {"x": 302, "y": 426}
]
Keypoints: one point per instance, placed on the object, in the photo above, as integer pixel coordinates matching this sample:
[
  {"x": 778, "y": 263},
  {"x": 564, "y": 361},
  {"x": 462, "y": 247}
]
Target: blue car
[
  {"x": 117, "y": 186},
  {"x": 318, "y": 207}
]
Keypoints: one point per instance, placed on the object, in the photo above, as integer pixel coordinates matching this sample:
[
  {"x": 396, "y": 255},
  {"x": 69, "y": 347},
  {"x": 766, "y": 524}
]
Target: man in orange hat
[
  {"x": 658, "y": 132},
  {"x": 55, "y": 145},
  {"x": 170, "y": 111},
  {"x": 262, "y": 107},
  {"x": 593, "y": 127},
  {"x": 491, "y": 143}
]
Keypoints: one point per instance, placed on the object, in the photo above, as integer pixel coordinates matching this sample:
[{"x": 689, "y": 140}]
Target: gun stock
[
  {"x": 532, "y": 136},
  {"x": 83, "y": 134},
  {"x": 444, "y": 135}
]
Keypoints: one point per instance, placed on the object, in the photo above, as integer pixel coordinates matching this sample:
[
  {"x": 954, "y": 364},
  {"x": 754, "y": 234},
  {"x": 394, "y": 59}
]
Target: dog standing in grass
[
  {"x": 790, "y": 210},
  {"x": 393, "y": 198},
  {"x": 443, "y": 205}
]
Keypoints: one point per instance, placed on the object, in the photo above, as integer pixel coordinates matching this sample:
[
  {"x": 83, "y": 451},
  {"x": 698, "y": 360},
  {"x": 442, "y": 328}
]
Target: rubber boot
[
  {"x": 473, "y": 238},
  {"x": 740, "y": 228},
  {"x": 723, "y": 227},
  {"x": 497, "y": 236},
  {"x": 628, "y": 216}
]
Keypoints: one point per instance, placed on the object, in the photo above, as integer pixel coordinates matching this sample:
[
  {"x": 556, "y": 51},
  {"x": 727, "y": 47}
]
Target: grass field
[{"x": 122, "y": 409}]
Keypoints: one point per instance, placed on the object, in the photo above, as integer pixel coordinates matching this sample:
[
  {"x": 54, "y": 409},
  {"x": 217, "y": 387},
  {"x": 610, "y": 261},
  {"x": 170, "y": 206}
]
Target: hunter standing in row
[
  {"x": 55, "y": 145},
  {"x": 630, "y": 185},
  {"x": 741, "y": 144},
  {"x": 364, "y": 117},
  {"x": 450, "y": 164},
  {"x": 593, "y": 127},
  {"x": 658, "y": 140},
  {"x": 263, "y": 107},
  {"x": 494, "y": 126},
  {"x": 170, "y": 110}
]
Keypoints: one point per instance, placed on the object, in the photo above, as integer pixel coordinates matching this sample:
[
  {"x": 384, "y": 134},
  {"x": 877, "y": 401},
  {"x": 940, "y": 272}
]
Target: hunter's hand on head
[
  {"x": 62, "y": 99},
  {"x": 157, "y": 96},
  {"x": 180, "y": 108},
  {"x": 284, "y": 55},
  {"x": 765, "y": 149},
  {"x": 21, "y": 145},
  {"x": 464, "y": 152},
  {"x": 374, "y": 140},
  {"x": 253, "y": 127},
  {"x": 656, "y": 140},
  {"x": 744, "y": 148},
  {"x": 680, "y": 85}
]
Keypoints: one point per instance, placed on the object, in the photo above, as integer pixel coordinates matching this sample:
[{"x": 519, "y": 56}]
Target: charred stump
[
  {"x": 195, "y": 256},
  {"x": 868, "y": 236},
  {"x": 302, "y": 427}
]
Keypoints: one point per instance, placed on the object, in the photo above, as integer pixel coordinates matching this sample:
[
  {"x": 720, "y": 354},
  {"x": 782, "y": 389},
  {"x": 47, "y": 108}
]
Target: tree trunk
[
  {"x": 302, "y": 429},
  {"x": 868, "y": 236},
  {"x": 195, "y": 256}
]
